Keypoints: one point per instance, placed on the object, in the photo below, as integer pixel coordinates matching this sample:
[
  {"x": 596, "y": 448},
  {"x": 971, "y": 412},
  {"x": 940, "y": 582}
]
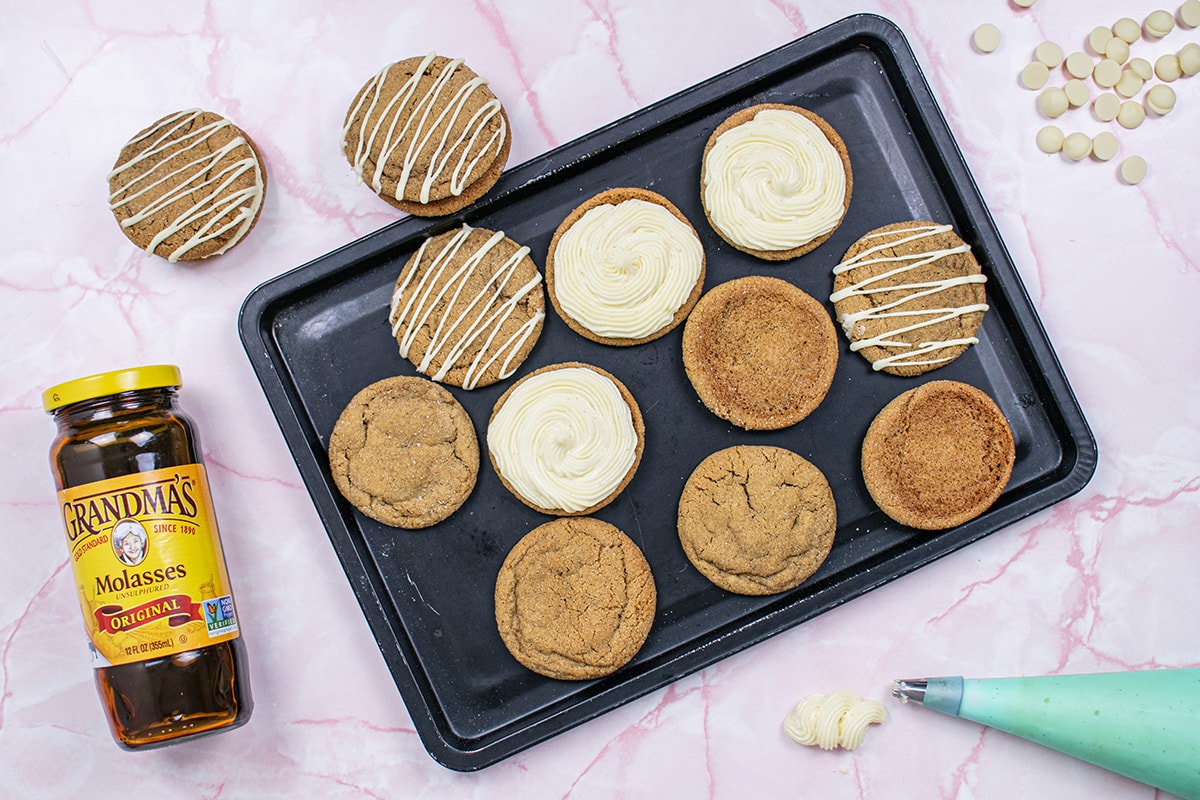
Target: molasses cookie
[
  {"x": 760, "y": 352},
  {"x": 188, "y": 187},
  {"x": 909, "y": 297},
  {"x": 468, "y": 307},
  {"x": 566, "y": 439},
  {"x": 756, "y": 520},
  {"x": 625, "y": 267},
  {"x": 938, "y": 455},
  {"x": 404, "y": 452},
  {"x": 575, "y": 599},
  {"x": 775, "y": 180},
  {"x": 427, "y": 135}
]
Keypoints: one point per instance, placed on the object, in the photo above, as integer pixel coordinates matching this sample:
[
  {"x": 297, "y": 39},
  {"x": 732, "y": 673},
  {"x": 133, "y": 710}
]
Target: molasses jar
[{"x": 151, "y": 577}]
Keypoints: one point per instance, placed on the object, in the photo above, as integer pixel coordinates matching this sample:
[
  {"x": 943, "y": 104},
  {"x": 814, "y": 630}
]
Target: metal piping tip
[{"x": 910, "y": 689}]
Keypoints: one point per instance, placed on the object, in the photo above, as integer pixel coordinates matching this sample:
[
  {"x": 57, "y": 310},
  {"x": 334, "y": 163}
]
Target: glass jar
[{"x": 151, "y": 577}]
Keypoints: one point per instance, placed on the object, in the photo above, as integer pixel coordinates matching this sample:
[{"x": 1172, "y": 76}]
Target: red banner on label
[{"x": 177, "y": 609}]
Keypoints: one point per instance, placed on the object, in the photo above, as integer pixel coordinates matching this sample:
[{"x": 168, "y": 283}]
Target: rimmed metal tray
[{"x": 318, "y": 334}]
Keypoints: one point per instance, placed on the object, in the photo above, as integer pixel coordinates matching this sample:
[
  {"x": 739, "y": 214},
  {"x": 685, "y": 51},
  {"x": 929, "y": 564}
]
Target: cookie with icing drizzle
[
  {"x": 427, "y": 135},
  {"x": 188, "y": 187},
  {"x": 909, "y": 297},
  {"x": 468, "y": 307}
]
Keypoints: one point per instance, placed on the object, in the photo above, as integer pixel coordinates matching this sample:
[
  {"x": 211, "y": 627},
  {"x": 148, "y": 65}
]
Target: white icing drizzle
[
  {"x": 421, "y": 131},
  {"x": 478, "y": 322},
  {"x": 564, "y": 439},
  {"x": 838, "y": 719},
  {"x": 892, "y": 310},
  {"x": 623, "y": 270},
  {"x": 774, "y": 182},
  {"x": 206, "y": 177}
]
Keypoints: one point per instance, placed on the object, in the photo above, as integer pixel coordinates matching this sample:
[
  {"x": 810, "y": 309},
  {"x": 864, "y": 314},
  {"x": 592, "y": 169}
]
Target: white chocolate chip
[
  {"x": 1189, "y": 58},
  {"x": 987, "y": 37},
  {"x": 1104, "y": 146},
  {"x": 1130, "y": 84},
  {"x": 1167, "y": 68},
  {"x": 1133, "y": 169},
  {"x": 1077, "y": 92},
  {"x": 1035, "y": 75},
  {"x": 1098, "y": 38},
  {"x": 1117, "y": 50},
  {"x": 1053, "y": 102},
  {"x": 1158, "y": 24},
  {"x": 1107, "y": 73},
  {"x": 1189, "y": 14},
  {"x": 1051, "y": 54},
  {"x": 1077, "y": 146},
  {"x": 1160, "y": 99},
  {"x": 1078, "y": 65},
  {"x": 1131, "y": 114},
  {"x": 1106, "y": 107},
  {"x": 1141, "y": 67},
  {"x": 1050, "y": 139},
  {"x": 1024, "y": 3},
  {"x": 1127, "y": 30}
]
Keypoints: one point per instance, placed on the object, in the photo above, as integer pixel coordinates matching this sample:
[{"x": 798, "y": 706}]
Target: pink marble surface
[{"x": 1103, "y": 581}]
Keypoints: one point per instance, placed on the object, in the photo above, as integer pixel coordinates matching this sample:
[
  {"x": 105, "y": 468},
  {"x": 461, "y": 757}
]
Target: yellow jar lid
[{"x": 106, "y": 383}]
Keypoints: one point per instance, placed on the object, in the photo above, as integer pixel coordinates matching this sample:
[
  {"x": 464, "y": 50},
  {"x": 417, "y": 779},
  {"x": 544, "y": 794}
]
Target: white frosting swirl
[
  {"x": 774, "y": 182},
  {"x": 624, "y": 270},
  {"x": 564, "y": 439},
  {"x": 839, "y": 719}
]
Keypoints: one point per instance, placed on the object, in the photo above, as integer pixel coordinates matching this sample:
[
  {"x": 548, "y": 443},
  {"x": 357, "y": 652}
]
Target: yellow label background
[{"x": 95, "y": 515}]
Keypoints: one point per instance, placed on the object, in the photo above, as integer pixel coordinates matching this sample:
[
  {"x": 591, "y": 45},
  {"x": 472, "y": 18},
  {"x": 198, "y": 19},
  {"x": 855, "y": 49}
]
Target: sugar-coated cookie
[
  {"x": 404, "y": 452},
  {"x": 188, "y": 187},
  {"x": 575, "y": 599},
  {"x": 938, "y": 455},
  {"x": 427, "y": 135}
]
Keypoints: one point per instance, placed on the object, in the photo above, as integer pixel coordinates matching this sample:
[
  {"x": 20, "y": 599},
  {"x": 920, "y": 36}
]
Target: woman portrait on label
[{"x": 129, "y": 542}]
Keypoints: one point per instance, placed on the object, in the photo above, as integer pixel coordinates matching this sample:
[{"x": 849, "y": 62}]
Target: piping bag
[{"x": 1144, "y": 725}]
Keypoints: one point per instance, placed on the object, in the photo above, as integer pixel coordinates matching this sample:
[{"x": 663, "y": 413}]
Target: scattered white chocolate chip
[
  {"x": 1050, "y": 53},
  {"x": 987, "y": 37},
  {"x": 1141, "y": 67},
  {"x": 1127, "y": 30},
  {"x": 1053, "y": 102},
  {"x": 1050, "y": 139},
  {"x": 1077, "y": 146},
  {"x": 1035, "y": 75},
  {"x": 1158, "y": 24},
  {"x": 1098, "y": 38},
  {"x": 1189, "y": 14},
  {"x": 1133, "y": 169},
  {"x": 1078, "y": 65},
  {"x": 1024, "y": 3},
  {"x": 1077, "y": 92},
  {"x": 1130, "y": 84},
  {"x": 1104, "y": 146},
  {"x": 1107, "y": 73},
  {"x": 1117, "y": 50},
  {"x": 1131, "y": 114},
  {"x": 1106, "y": 107},
  {"x": 1167, "y": 67},
  {"x": 1189, "y": 58},
  {"x": 1160, "y": 99}
]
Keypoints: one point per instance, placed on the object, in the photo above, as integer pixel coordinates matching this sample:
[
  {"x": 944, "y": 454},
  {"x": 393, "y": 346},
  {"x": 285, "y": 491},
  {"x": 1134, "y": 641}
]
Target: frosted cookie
[
  {"x": 775, "y": 181},
  {"x": 468, "y": 307},
  {"x": 188, "y": 187},
  {"x": 838, "y": 719},
  {"x": 575, "y": 599},
  {"x": 404, "y": 452},
  {"x": 625, "y": 267},
  {"x": 909, "y": 297},
  {"x": 760, "y": 352},
  {"x": 938, "y": 455},
  {"x": 566, "y": 439},
  {"x": 427, "y": 135},
  {"x": 756, "y": 520}
]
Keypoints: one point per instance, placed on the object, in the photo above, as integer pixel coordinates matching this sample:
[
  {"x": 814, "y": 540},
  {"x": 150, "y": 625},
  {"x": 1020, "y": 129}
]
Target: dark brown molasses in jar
[{"x": 151, "y": 577}]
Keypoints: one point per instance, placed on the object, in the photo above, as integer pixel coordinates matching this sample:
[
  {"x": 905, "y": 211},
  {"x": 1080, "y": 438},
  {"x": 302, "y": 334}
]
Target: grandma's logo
[{"x": 171, "y": 497}]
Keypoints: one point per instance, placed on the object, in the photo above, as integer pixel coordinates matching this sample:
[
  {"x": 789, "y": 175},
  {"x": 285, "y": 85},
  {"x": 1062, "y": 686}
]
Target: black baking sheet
[{"x": 318, "y": 334}]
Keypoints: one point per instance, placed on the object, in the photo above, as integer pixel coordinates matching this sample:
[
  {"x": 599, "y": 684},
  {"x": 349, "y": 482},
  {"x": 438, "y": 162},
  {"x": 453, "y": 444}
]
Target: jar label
[{"x": 148, "y": 564}]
